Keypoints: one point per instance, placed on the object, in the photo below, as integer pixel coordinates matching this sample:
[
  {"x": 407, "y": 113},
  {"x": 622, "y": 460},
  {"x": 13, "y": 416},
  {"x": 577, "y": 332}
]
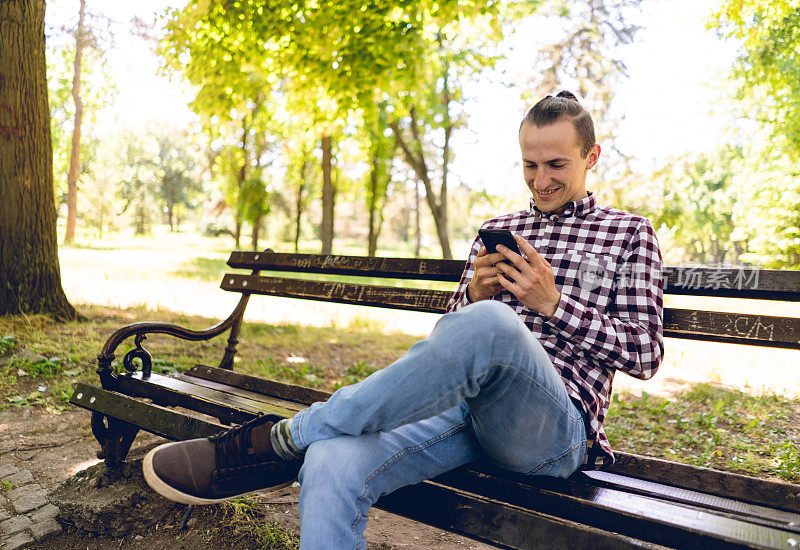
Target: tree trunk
[
  {"x": 417, "y": 225},
  {"x": 237, "y": 231},
  {"x": 30, "y": 276},
  {"x": 75, "y": 153},
  {"x": 298, "y": 211},
  {"x": 372, "y": 236},
  {"x": 328, "y": 196},
  {"x": 417, "y": 163},
  {"x": 256, "y": 232}
]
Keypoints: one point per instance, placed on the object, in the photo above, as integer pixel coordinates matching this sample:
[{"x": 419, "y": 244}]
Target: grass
[
  {"x": 711, "y": 426},
  {"x": 246, "y": 520}
]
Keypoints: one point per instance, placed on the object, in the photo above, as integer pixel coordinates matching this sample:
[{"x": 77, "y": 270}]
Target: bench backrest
[{"x": 740, "y": 328}]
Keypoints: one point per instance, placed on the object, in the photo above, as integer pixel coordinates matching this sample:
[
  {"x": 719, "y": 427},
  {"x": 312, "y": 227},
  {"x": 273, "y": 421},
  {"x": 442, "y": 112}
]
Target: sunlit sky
[{"x": 671, "y": 99}]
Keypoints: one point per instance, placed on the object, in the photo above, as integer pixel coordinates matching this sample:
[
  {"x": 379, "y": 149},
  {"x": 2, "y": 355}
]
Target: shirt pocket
[{"x": 585, "y": 277}]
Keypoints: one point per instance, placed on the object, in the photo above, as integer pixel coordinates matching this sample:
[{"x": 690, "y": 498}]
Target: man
[{"x": 519, "y": 370}]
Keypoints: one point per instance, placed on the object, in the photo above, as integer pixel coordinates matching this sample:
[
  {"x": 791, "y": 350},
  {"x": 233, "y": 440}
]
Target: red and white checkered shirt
[{"x": 607, "y": 266}]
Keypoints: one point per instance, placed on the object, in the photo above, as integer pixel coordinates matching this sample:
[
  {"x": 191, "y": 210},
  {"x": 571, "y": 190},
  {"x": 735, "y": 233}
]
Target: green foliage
[
  {"x": 701, "y": 207},
  {"x": 768, "y": 65},
  {"x": 97, "y": 90},
  {"x": 7, "y": 344}
]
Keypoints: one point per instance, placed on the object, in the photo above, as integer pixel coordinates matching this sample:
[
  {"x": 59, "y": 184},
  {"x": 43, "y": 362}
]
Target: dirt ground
[{"x": 56, "y": 447}]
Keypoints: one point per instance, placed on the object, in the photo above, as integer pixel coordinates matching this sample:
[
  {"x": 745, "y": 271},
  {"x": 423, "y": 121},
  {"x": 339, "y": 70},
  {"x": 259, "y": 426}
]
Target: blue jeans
[{"x": 480, "y": 385}]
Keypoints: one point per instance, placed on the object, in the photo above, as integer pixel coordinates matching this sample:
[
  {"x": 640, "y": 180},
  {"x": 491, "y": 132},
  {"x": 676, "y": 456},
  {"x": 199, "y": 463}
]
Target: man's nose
[{"x": 541, "y": 180}]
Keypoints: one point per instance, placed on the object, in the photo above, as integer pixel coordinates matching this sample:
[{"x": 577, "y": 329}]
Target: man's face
[{"x": 552, "y": 164}]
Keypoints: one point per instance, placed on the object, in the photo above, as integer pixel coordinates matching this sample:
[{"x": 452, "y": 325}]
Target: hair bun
[{"x": 568, "y": 95}]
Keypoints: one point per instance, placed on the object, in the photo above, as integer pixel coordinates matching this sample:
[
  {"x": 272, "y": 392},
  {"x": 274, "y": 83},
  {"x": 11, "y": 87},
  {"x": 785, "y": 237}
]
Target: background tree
[
  {"x": 176, "y": 174},
  {"x": 767, "y": 75},
  {"x": 30, "y": 277},
  {"x": 587, "y": 58},
  {"x": 700, "y": 206}
]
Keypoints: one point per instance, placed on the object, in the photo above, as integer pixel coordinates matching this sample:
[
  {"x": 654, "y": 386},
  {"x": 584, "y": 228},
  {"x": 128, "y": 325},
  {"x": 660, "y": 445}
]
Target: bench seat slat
[
  {"x": 653, "y": 519},
  {"x": 762, "y": 330},
  {"x": 155, "y": 419},
  {"x": 241, "y": 392},
  {"x": 496, "y": 522},
  {"x": 735, "y": 486},
  {"x": 765, "y": 284},
  {"x": 168, "y": 391},
  {"x": 288, "y": 392}
]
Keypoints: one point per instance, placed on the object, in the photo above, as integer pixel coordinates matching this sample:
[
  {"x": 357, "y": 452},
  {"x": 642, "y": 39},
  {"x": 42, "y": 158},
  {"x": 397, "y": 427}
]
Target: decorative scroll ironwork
[{"x": 140, "y": 353}]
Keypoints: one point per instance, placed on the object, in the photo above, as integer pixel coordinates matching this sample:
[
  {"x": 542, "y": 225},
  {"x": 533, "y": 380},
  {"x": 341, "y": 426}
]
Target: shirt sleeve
[
  {"x": 629, "y": 336},
  {"x": 460, "y": 297}
]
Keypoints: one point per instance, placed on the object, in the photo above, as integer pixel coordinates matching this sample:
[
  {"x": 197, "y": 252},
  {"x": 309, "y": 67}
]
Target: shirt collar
[{"x": 577, "y": 208}]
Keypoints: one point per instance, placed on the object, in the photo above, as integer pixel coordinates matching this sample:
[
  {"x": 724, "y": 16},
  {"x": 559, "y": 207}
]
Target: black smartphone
[{"x": 492, "y": 237}]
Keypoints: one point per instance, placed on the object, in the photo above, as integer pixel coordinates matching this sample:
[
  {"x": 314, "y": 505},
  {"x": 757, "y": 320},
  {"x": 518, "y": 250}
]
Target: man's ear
[{"x": 594, "y": 155}]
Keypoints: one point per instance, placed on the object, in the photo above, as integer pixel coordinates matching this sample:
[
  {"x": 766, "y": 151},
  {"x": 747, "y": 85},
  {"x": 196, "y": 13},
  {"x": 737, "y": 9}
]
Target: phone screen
[{"x": 492, "y": 237}]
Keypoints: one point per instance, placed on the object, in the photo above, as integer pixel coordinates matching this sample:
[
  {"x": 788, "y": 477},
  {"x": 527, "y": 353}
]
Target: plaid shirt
[{"x": 607, "y": 266}]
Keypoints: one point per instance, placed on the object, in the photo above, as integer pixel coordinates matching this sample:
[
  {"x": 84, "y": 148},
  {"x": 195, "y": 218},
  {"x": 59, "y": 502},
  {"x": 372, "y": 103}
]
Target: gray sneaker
[{"x": 220, "y": 467}]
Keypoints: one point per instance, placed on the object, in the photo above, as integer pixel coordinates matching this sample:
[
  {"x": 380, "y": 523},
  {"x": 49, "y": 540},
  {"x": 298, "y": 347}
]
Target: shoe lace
[{"x": 231, "y": 446}]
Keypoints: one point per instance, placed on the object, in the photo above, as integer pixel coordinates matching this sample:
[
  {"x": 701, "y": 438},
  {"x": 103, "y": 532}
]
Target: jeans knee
[
  {"x": 496, "y": 318},
  {"x": 328, "y": 464}
]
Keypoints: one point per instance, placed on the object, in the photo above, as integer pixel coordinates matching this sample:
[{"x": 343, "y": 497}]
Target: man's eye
[
  {"x": 530, "y": 165},
  {"x": 557, "y": 165}
]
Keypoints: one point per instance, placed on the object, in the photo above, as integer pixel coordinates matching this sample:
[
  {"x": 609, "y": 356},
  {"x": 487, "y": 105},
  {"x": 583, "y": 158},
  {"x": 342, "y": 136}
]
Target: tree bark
[
  {"x": 256, "y": 232},
  {"x": 374, "y": 225},
  {"x": 30, "y": 275},
  {"x": 328, "y": 196},
  {"x": 417, "y": 225},
  {"x": 417, "y": 163},
  {"x": 75, "y": 153}
]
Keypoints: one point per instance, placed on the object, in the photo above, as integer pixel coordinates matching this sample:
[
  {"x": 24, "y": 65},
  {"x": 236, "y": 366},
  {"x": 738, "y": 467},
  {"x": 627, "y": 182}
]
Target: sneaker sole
[{"x": 169, "y": 492}]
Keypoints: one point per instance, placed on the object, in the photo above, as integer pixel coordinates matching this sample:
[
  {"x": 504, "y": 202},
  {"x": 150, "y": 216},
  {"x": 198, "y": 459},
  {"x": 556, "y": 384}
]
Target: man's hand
[
  {"x": 484, "y": 283},
  {"x": 530, "y": 279}
]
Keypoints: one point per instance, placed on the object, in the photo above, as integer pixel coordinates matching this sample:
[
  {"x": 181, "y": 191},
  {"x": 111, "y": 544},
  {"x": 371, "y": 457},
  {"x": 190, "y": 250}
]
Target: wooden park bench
[{"x": 638, "y": 502}]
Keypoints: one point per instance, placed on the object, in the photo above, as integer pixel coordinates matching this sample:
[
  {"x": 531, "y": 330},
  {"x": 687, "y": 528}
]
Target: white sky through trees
[{"x": 671, "y": 100}]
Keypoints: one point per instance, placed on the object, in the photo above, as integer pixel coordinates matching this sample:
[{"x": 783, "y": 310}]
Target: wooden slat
[
  {"x": 151, "y": 418},
  {"x": 641, "y": 517},
  {"x": 761, "y": 515},
  {"x": 263, "y": 386},
  {"x": 735, "y": 328},
  {"x": 749, "y": 489},
  {"x": 429, "y": 301},
  {"x": 393, "y": 268},
  {"x": 759, "y": 330},
  {"x": 168, "y": 391},
  {"x": 733, "y": 282},
  {"x": 497, "y": 522},
  {"x": 762, "y": 284}
]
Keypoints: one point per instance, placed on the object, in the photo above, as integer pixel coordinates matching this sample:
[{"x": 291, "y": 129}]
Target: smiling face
[{"x": 552, "y": 164}]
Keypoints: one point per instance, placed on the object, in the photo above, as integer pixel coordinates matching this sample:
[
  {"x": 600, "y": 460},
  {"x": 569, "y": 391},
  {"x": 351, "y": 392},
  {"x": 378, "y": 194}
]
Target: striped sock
[{"x": 282, "y": 443}]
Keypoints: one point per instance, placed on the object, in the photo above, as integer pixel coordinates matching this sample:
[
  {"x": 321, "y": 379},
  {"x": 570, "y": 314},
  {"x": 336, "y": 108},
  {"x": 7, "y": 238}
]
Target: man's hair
[{"x": 564, "y": 105}]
